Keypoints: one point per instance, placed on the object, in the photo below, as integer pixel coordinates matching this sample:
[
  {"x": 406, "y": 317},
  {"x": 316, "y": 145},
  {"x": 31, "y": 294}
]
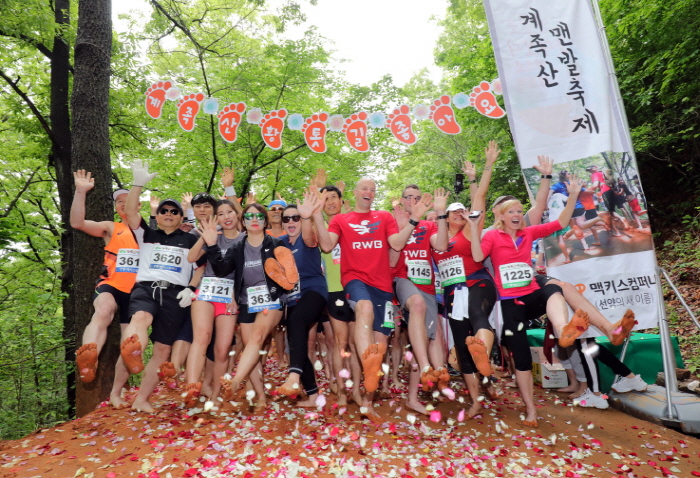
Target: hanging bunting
[
  {"x": 355, "y": 129},
  {"x": 314, "y": 129},
  {"x": 443, "y": 116},
  {"x": 482, "y": 98},
  {"x": 399, "y": 123},
  {"x": 254, "y": 116},
  {"x": 155, "y": 98},
  {"x": 210, "y": 106},
  {"x": 229, "y": 120},
  {"x": 188, "y": 109},
  {"x": 336, "y": 122},
  {"x": 271, "y": 127},
  {"x": 295, "y": 122}
]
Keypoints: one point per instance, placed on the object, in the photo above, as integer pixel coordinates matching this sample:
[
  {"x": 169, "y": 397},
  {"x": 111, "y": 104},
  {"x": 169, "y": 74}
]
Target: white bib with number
[
  {"x": 419, "y": 271},
  {"x": 216, "y": 289},
  {"x": 517, "y": 274},
  {"x": 389, "y": 316},
  {"x": 335, "y": 254},
  {"x": 128, "y": 260},
  {"x": 295, "y": 294},
  {"x": 259, "y": 299},
  {"x": 452, "y": 271},
  {"x": 167, "y": 258}
]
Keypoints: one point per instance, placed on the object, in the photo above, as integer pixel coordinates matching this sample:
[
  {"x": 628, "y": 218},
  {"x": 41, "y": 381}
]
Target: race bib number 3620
[
  {"x": 167, "y": 258},
  {"x": 517, "y": 274}
]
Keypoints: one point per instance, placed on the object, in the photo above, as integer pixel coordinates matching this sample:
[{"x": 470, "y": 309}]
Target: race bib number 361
[
  {"x": 167, "y": 258},
  {"x": 128, "y": 260},
  {"x": 517, "y": 274}
]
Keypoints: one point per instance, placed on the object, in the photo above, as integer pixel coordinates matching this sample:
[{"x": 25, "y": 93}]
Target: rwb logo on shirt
[
  {"x": 422, "y": 254},
  {"x": 365, "y": 228},
  {"x": 450, "y": 246},
  {"x": 417, "y": 236},
  {"x": 368, "y": 245}
]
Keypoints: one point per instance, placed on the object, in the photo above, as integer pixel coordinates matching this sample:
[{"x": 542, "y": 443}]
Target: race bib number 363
[
  {"x": 128, "y": 260},
  {"x": 167, "y": 258},
  {"x": 259, "y": 299},
  {"x": 517, "y": 274}
]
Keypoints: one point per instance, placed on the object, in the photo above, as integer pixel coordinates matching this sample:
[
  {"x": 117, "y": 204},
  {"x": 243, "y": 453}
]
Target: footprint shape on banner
[
  {"x": 229, "y": 120},
  {"x": 155, "y": 98},
  {"x": 483, "y": 99},
  {"x": 399, "y": 123},
  {"x": 315, "y": 129},
  {"x": 271, "y": 127},
  {"x": 187, "y": 110},
  {"x": 355, "y": 129},
  {"x": 443, "y": 116}
]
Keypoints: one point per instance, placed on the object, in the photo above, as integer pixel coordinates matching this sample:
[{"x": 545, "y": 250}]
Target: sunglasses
[
  {"x": 276, "y": 209},
  {"x": 295, "y": 218},
  {"x": 412, "y": 198},
  {"x": 164, "y": 210},
  {"x": 203, "y": 197},
  {"x": 249, "y": 216}
]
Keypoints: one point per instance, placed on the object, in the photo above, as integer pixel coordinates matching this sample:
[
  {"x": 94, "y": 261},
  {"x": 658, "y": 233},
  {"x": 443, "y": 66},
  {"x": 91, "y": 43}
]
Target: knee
[
  {"x": 416, "y": 305},
  {"x": 364, "y": 308},
  {"x": 141, "y": 319}
]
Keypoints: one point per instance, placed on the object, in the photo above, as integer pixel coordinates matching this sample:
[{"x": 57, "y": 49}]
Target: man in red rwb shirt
[
  {"x": 365, "y": 237},
  {"x": 415, "y": 289}
]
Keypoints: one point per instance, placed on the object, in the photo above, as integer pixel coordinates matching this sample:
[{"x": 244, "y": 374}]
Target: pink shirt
[
  {"x": 504, "y": 250},
  {"x": 418, "y": 249},
  {"x": 363, "y": 238},
  {"x": 600, "y": 177}
]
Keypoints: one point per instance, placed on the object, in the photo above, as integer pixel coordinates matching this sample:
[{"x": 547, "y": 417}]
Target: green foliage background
[{"x": 234, "y": 50}]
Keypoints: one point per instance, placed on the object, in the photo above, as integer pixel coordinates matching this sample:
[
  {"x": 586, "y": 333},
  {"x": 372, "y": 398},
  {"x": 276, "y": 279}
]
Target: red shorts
[
  {"x": 634, "y": 205},
  {"x": 219, "y": 307}
]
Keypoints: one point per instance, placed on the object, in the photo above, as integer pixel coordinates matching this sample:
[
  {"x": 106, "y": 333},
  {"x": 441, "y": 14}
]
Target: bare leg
[
  {"x": 225, "y": 327},
  {"x": 161, "y": 353},
  {"x": 355, "y": 367},
  {"x": 472, "y": 382},
  {"x": 280, "y": 336},
  {"x": 121, "y": 376},
  {"x": 526, "y": 387},
  {"x": 412, "y": 402},
  {"x": 202, "y": 326},
  {"x": 340, "y": 334},
  {"x": 417, "y": 334},
  {"x": 437, "y": 350}
]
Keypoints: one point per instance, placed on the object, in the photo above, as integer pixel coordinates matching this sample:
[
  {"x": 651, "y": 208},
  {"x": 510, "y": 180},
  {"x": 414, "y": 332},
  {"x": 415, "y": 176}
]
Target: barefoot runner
[
  {"x": 365, "y": 237},
  {"x": 161, "y": 296},
  {"x": 116, "y": 281}
]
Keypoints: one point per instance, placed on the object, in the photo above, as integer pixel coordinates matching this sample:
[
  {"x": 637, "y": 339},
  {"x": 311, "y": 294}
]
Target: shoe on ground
[
  {"x": 625, "y": 384},
  {"x": 452, "y": 371},
  {"x": 590, "y": 399}
]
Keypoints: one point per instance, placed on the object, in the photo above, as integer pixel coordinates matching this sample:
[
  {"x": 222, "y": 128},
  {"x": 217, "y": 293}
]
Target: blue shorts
[{"x": 356, "y": 290}]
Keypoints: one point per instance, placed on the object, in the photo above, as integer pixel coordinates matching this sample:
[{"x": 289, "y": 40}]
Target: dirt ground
[{"x": 287, "y": 441}]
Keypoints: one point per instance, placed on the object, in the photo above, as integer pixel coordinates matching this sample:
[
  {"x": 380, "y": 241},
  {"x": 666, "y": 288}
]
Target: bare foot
[
  {"x": 373, "y": 416},
  {"x": 443, "y": 378},
  {"x": 310, "y": 401},
  {"x": 474, "y": 409},
  {"x": 577, "y": 393},
  {"x": 342, "y": 400},
  {"x": 334, "y": 388},
  {"x": 227, "y": 384},
  {"x": 427, "y": 379},
  {"x": 371, "y": 365},
  {"x": 167, "y": 374},
  {"x": 493, "y": 391},
  {"x": 531, "y": 419},
  {"x": 568, "y": 389},
  {"x": 260, "y": 405},
  {"x": 416, "y": 406},
  {"x": 86, "y": 361},
  {"x": 622, "y": 328},
  {"x": 573, "y": 330},
  {"x": 478, "y": 351},
  {"x": 143, "y": 406},
  {"x": 132, "y": 354},
  {"x": 117, "y": 401},
  {"x": 193, "y": 391},
  {"x": 207, "y": 390},
  {"x": 357, "y": 397}
]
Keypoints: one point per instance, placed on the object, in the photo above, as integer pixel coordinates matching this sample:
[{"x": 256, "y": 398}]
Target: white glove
[
  {"x": 141, "y": 174},
  {"x": 186, "y": 297}
]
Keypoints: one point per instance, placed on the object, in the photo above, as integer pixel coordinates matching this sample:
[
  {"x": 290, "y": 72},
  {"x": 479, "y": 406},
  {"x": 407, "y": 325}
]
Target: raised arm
[
  {"x": 440, "y": 241},
  {"x": 326, "y": 240},
  {"x": 545, "y": 168},
  {"x": 574, "y": 187},
  {"x": 398, "y": 241},
  {"x": 227, "y": 177},
  {"x": 470, "y": 172},
  {"x": 476, "y": 224},
  {"x": 307, "y": 209},
  {"x": 141, "y": 177},
  {"x": 84, "y": 183},
  {"x": 479, "y": 200}
]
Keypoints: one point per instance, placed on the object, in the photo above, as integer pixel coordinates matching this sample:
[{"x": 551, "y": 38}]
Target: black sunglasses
[
  {"x": 294, "y": 218},
  {"x": 164, "y": 210}
]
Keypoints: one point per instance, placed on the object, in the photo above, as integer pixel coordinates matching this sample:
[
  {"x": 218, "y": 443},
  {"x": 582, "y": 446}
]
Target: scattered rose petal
[
  {"x": 344, "y": 373},
  {"x": 318, "y": 366},
  {"x": 321, "y": 401},
  {"x": 435, "y": 416}
]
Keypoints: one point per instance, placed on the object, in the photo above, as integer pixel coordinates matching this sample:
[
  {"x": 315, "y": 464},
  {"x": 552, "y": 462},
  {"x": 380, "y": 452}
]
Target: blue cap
[{"x": 277, "y": 202}]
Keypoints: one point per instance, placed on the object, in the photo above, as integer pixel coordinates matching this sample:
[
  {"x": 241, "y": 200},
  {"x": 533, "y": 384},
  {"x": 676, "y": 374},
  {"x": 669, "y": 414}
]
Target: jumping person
[
  {"x": 116, "y": 281},
  {"x": 365, "y": 237}
]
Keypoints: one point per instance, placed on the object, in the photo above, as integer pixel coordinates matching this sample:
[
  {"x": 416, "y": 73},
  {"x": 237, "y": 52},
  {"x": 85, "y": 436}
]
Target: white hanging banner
[{"x": 562, "y": 102}]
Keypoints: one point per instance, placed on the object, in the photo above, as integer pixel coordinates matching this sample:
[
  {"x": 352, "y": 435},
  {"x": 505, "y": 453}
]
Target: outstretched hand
[
  {"x": 440, "y": 201},
  {"x": 83, "y": 181},
  {"x": 469, "y": 170},
  {"x": 207, "y": 228},
  {"x": 491, "y": 151},
  {"x": 187, "y": 201},
  {"x": 421, "y": 207},
  {"x": 227, "y": 176},
  {"x": 250, "y": 198},
  {"x": 574, "y": 186},
  {"x": 311, "y": 204},
  {"x": 545, "y": 166},
  {"x": 320, "y": 178},
  {"x": 140, "y": 173}
]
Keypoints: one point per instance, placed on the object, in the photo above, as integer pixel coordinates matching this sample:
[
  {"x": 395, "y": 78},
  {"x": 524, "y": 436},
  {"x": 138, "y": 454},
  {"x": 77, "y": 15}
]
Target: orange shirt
[
  {"x": 586, "y": 199},
  {"x": 122, "y": 239}
]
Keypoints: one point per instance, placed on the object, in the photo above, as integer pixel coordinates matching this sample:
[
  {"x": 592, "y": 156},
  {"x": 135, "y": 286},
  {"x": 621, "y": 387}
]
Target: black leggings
[
  {"x": 600, "y": 354},
  {"x": 519, "y": 311},
  {"x": 482, "y": 297},
  {"x": 301, "y": 318}
]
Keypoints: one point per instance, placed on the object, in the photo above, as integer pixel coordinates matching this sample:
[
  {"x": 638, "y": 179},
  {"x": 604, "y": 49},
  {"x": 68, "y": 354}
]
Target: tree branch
[{"x": 19, "y": 194}]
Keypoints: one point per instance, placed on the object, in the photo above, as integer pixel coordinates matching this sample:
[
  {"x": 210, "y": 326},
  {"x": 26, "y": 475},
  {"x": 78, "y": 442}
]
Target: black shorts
[
  {"x": 164, "y": 306},
  {"x": 121, "y": 298},
  {"x": 339, "y": 307},
  {"x": 591, "y": 214},
  {"x": 186, "y": 333},
  {"x": 578, "y": 212},
  {"x": 244, "y": 316}
]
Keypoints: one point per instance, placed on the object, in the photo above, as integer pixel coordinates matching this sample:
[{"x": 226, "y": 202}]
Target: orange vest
[{"x": 122, "y": 238}]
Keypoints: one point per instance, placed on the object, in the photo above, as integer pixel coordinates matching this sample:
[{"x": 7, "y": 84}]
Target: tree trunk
[
  {"x": 90, "y": 127},
  {"x": 60, "y": 159}
]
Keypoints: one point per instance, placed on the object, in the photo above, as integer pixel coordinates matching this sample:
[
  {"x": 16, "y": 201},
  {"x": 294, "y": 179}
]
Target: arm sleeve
[
  {"x": 544, "y": 230},
  {"x": 487, "y": 243},
  {"x": 334, "y": 227},
  {"x": 222, "y": 265},
  {"x": 392, "y": 226}
]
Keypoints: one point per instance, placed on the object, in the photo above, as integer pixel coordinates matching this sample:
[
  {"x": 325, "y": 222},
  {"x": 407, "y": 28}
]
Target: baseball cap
[
  {"x": 591, "y": 168},
  {"x": 172, "y": 202},
  {"x": 500, "y": 199},
  {"x": 200, "y": 198},
  {"x": 455, "y": 206},
  {"x": 119, "y": 192},
  {"x": 277, "y": 202}
]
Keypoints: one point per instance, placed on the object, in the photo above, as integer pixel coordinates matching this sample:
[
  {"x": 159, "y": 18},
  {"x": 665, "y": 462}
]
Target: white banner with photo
[{"x": 562, "y": 102}]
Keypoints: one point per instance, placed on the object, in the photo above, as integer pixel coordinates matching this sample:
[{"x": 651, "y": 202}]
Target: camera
[
  {"x": 474, "y": 214},
  {"x": 459, "y": 183}
]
